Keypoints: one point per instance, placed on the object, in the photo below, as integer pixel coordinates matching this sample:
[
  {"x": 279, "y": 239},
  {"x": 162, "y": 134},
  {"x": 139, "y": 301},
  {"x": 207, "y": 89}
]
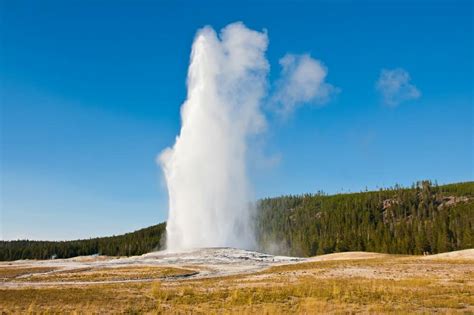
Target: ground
[{"x": 225, "y": 280}]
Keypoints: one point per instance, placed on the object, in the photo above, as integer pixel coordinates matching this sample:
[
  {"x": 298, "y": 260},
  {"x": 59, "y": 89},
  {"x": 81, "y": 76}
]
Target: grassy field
[
  {"x": 384, "y": 283},
  {"x": 106, "y": 274}
]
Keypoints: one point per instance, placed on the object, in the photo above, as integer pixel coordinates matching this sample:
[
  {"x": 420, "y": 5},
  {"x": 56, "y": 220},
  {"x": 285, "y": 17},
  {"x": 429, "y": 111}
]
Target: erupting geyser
[{"x": 206, "y": 169}]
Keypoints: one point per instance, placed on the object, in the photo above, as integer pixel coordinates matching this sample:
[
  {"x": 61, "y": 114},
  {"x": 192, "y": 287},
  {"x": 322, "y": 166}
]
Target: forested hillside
[
  {"x": 425, "y": 218},
  {"x": 135, "y": 243}
]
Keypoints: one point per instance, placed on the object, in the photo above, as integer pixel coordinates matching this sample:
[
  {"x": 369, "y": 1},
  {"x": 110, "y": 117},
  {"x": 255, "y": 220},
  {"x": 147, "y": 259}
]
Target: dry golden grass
[
  {"x": 303, "y": 293},
  {"x": 108, "y": 274},
  {"x": 107, "y": 298},
  {"x": 9, "y": 273},
  {"x": 380, "y": 285}
]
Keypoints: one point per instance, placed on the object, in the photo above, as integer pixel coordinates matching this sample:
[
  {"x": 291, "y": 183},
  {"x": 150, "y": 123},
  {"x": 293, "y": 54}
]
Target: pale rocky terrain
[
  {"x": 206, "y": 281},
  {"x": 206, "y": 263}
]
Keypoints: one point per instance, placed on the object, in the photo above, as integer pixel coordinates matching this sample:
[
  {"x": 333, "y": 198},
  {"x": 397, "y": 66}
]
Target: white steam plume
[{"x": 205, "y": 170}]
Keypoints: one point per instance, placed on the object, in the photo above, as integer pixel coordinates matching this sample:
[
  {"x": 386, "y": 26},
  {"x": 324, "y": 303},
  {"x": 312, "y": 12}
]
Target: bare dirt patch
[
  {"x": 466, "y": 254},
  {"x": 348, "y": 256}
]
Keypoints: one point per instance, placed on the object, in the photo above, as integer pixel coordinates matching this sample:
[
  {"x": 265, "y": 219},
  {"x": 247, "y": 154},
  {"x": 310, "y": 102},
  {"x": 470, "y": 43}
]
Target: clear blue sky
[{"x": 91, "y": 91}]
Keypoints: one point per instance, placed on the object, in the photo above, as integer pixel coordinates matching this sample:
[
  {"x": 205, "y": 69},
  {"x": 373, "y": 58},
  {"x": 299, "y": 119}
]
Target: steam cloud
[
  {"x": 302, "y": 81},
  {"x": 206, "y": 169}
]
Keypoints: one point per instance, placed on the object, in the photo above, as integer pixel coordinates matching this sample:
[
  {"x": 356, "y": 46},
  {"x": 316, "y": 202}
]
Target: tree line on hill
[
  {"x": 134, "y": 243},
  {"x": 425, "y": 218}
]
